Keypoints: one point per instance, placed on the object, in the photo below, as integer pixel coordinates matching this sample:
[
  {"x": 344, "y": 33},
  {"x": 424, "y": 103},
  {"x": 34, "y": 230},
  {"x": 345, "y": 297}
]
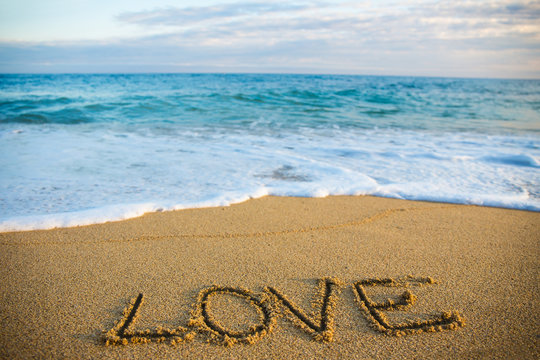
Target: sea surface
[{"x": 82, "y": 149}]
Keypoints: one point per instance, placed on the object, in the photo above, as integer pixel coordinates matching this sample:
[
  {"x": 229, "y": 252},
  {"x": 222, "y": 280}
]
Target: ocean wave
[
  {"x": 514, "y": 160},
  {"x": 65, "y": 116},
  {"x": 343, "y": 101}
]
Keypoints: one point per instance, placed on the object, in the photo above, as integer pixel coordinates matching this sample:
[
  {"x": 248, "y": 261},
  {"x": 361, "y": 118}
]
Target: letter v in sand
[
  {"x": 322, "y": 328},
  {"x": 372, "y": 310}
]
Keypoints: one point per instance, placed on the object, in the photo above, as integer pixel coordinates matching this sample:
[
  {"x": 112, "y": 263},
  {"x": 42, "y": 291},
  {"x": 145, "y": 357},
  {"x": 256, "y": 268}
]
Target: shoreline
[
  {"x": 150, "y": 208},
  {"x": 64, "y": 289}
]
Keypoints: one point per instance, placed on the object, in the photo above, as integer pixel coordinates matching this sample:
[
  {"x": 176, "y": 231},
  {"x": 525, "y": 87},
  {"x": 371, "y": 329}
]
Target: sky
[{"x": 452, "y": 38}]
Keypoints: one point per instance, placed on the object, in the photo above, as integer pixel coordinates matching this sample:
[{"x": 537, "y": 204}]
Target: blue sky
[{"x": 469, "y": 38}]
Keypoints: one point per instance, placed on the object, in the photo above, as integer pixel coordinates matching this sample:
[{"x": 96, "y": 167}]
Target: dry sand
[{"x": 63, "y": 289}]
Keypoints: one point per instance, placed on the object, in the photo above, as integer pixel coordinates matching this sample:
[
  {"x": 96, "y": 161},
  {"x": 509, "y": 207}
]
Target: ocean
[{"x": 83, "y": 149}]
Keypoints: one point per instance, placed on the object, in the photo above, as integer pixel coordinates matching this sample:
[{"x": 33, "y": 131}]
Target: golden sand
[{"x": 338, "y": 277}]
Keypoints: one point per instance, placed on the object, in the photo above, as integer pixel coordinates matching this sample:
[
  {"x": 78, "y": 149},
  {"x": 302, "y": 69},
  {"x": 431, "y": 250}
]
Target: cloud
[
  {"x": 481, "y": 9},
  {"x": 246, "y": 21},
  {"x": 172, "y": 16},
  {"x": 438, "y": 38}
]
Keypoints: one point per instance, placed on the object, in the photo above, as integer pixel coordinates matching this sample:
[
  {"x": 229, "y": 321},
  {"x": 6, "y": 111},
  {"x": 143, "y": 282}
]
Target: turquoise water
[
  {"x": 270, "y": 101},
  {"x": 80, "y": 149}
]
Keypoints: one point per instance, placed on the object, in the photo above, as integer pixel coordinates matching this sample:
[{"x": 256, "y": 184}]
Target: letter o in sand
[{"x": 249, "y": 335}]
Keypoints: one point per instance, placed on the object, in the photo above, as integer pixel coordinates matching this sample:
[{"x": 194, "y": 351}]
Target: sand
[{"x": 209, "y": 279}]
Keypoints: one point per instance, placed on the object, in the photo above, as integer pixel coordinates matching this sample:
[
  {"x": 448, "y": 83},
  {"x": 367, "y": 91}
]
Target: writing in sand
[{"x": 271, "y": 303}]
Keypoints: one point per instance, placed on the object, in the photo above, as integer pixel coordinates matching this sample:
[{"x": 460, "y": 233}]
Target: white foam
[
  {"x": 114, "y": 213},
  {"x": 77, "y": 218},
  {"x": 107, "y": 174}
]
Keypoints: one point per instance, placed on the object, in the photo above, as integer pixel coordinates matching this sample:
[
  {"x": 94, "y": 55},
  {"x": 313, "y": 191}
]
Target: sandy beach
[{"x": 277, "y": 277}]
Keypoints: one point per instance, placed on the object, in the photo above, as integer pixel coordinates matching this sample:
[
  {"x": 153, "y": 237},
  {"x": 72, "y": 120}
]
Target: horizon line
[{"x": 264, "y": 73}]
